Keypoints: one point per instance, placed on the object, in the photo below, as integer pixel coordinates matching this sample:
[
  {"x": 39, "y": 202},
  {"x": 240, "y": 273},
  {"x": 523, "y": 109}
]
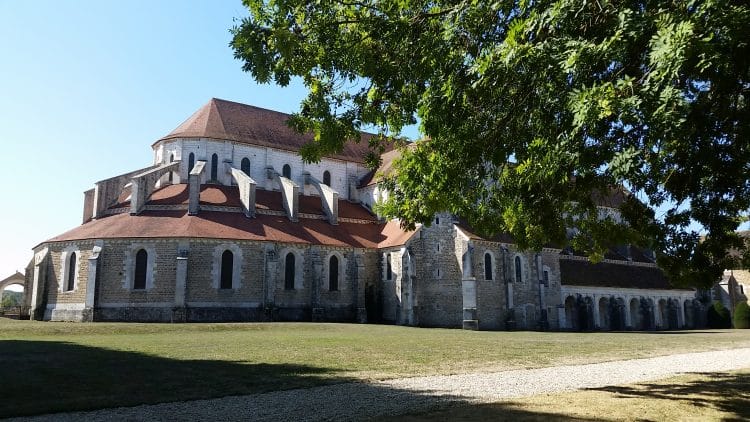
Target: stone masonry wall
[{"x": 438, "y": 287}]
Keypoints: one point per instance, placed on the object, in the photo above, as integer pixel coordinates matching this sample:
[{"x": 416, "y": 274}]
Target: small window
[
  {"x": 70, "y": 282},
  {"x": 227, "y": 267},
  {"x": 327, "y": 178},
  {"x": 245, "y": 166},
  {"x": 214, "y": 167},
  {"x": 333, "y": 274},
  {"x": 546, "y": 278},
  {"x": 487, "y": 266},
  {"x": 286, "y": 171},
  {"x": 191, "y": 162},
  {"x": 388, "y": 269},
  {"x": 518, "y": 269},
  {"x": 289, "y": 272},
  {"x": 141, "y": 264},
  {"x": 437, "y": 221}
]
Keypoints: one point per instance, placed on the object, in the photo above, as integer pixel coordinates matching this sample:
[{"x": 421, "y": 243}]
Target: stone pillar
[
  {"x": 627, "y": 323},
  {"x": 353, "y": 191},
  {"x": 194, "y": 187},
  {"x": 595, "y": 312},
  {"x": 179, "y": 311},
  {"x": 681, "y": 315},
  {"x": 88, "y": 205},
  {"x": 270, "y": 281},
  {"x": 469, "y": 291},
  {"x": 657, "y": 315},
  {"x": 318, "y": 312},
  {"x": 87, "y": 315},
  {"x": 360, "y": 289},
  {"x": 37, "y": 289},
  {"x": 562, "y": 319},
  {"x": 329, "y": 198},
  {"x": 143, "y": 184},
  {"x": 246, "y": 186}
]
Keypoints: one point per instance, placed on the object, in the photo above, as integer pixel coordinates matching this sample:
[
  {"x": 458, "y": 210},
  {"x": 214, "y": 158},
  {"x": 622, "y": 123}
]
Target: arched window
[
  {"x": 289, "y": 272},
  {"x": 487, "y": 266},
  {"x": 141, "y": 264},
  {"x": 171, "y": 160},
  {"x": 227, "y": 266},
  {"x": 286, "y": 171},
  {"x": 245, "y": 166},
  {"x": 214, "y": 167},
  {"x": 191, "y": 162},
  {"x": 327, "y": 178},
  {"x": 333, "y": 273},
  {"x": 388, "y": 269},
  {"x": 70, "y": 282},
  {"x": 518, "y": 269}
]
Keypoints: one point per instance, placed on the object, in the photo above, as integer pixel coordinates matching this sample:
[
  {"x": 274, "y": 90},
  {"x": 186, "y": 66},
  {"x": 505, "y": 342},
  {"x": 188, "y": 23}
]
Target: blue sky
[{"x": 87, "y": 86}]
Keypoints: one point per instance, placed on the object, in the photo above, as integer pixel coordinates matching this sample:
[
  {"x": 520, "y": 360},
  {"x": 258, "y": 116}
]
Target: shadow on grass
[
  {"x": 727, "y": 392},
  {"x": 40, "y": 377},
  {"x": 43, "y": 376}
]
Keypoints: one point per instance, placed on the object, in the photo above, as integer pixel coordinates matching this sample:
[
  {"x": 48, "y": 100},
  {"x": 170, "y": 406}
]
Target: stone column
[
  {"x": 562, "y": 320},
  {"x": 680, "y": 314},
  {"x": 469, "y": 291},
  {"x": 595, "y": 311},
  {"x": 628, "y": 325},
  {"x": 270, "y": 281},
  {"x": 179, "y": 312},
  {"x": 194, "y": 187},
  {"x": 88, "y": 311},
  {"x": 37, "y": 289},
  {"x": 360, "y": 288},
  {"x": 318, "y": 312}
]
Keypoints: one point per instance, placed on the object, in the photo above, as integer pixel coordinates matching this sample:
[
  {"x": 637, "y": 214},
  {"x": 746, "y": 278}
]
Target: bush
[
  {"x": 718, "y": 316},
  {"x": 742, "y": 315}
]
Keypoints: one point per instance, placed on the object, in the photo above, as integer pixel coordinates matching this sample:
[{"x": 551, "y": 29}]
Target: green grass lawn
[{"x": 46, "y": 367}]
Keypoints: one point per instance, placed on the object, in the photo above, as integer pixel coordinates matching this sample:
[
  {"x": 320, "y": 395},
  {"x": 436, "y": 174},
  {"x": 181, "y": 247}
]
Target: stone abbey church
[{"x": 229, "y": 224}]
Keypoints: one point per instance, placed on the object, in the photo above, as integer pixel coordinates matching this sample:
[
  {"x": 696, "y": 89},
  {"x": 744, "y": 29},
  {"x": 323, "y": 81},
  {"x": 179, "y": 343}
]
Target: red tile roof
[
  {"x": 229, "y": 196},
  {"x": 221, "y": 119},
  {"x": 235, "y": 226}
]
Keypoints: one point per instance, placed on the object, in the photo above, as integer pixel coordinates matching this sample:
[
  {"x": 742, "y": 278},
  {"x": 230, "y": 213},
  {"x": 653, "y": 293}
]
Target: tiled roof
[
  {"x": 235, "y": 226},
  {"x": 221, "y": 119},
  {"x": 604, "y": 274},
  {"x": 229, "y": 196},
  {"x": 165, "y": 223}
]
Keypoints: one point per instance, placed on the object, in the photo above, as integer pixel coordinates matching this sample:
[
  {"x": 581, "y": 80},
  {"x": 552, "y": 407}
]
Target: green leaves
[{"x": 534, "y": 113}]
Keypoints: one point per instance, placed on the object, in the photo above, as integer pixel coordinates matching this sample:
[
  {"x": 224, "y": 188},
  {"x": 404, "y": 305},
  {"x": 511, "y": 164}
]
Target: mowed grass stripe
[{"x": 49, "y": 367}]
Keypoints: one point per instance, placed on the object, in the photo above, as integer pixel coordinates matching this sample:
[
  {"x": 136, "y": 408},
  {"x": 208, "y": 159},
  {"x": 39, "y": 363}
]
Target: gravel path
[{"x": 355, "y": 401}]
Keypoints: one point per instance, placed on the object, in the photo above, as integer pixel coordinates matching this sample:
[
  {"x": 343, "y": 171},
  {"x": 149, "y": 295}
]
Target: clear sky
[{"x": 87, "y": 86}]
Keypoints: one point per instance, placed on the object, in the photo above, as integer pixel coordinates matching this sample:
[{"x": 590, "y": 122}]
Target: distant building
[{"x": 229, "y": 224}]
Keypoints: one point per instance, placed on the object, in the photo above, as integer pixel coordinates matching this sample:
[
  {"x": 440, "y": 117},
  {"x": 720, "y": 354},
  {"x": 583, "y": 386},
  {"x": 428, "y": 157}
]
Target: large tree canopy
[{"x": 532, "y": 111}]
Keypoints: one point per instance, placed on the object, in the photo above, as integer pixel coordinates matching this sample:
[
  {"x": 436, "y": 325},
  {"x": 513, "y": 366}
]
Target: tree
[
  {"x": 742, "y": 315},
  {"x": 10, "y": 299},
  {"x": 717, "y": 316},
  {"x": 533, "y": 111}
]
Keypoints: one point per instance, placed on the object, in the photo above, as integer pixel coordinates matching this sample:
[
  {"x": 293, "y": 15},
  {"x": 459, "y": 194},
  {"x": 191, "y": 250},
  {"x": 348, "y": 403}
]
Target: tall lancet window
[
  {"x": 333, "y": 273},
  {"x": 70, "y": 282},
  {"x": 214, "y": 167}
]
